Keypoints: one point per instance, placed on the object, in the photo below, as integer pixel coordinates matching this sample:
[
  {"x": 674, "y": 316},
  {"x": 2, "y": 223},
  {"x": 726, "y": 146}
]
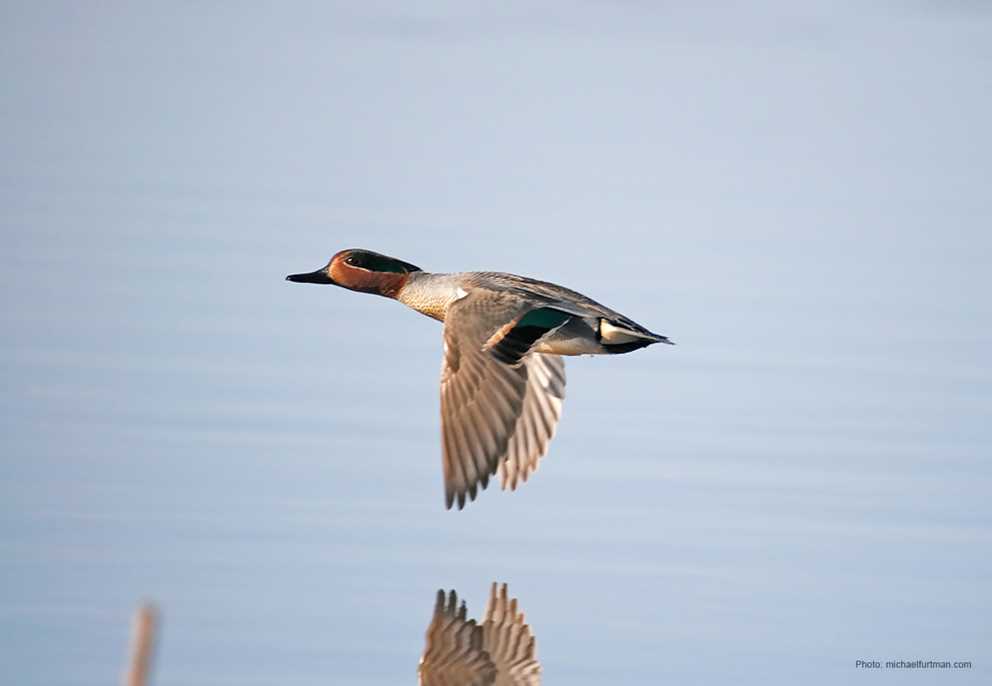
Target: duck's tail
[{"x": 617, "y": 338}]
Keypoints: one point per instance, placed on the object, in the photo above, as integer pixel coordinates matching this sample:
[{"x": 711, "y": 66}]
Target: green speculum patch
[
  {"x": 544, "y": 318},
  {"x": 518, "y": 340}
]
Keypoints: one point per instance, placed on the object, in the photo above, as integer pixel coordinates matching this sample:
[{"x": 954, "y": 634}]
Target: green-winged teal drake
[{"x": 502, "y": 377}]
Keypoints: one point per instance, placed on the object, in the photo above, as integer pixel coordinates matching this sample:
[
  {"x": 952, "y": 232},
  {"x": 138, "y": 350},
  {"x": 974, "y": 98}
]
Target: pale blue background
[{"x": 799, "y": 196}]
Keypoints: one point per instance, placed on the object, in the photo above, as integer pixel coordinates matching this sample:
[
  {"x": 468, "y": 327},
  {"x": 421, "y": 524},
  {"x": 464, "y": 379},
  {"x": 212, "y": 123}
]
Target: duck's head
[{"x": 361, "y": 270}]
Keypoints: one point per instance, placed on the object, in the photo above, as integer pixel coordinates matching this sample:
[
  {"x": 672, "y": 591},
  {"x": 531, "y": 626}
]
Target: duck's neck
[
  {"x": 429, "y": 294},
  {"x": 385, "y": 284}
]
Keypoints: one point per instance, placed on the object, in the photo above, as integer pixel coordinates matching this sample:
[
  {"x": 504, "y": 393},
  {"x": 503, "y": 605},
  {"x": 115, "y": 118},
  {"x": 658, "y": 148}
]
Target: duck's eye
[{"x": 350, "y": 260}]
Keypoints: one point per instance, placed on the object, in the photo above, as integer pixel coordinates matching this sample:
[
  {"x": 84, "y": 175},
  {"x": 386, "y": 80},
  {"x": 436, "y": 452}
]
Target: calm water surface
[{"x": 799, "y": 198}]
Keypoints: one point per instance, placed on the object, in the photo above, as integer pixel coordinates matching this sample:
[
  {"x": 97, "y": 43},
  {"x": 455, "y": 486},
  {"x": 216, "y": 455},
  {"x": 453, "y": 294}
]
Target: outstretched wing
[
  {"x": 508, "y": 640},
  {"x": 500, "y": 403},
  {"x": 481, "y": 397},
  {"x": 538, "y": 418},
  {"x": 454, "y": 654}
]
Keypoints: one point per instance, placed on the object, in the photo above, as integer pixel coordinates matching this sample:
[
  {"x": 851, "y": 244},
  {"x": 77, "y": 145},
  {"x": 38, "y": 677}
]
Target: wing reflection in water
[{"x": 462, "y": 652}]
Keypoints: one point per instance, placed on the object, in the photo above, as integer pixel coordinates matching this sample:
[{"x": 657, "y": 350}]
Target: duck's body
[
  {"x": 502, "y": 380},
  {"x": 590, "y": 328}
]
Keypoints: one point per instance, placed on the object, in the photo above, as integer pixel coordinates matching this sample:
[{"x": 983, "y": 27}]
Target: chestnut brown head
[{"x": 361, "y": 270}]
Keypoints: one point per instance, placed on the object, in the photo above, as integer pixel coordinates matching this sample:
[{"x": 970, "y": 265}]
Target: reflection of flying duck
[
  {"x": 502, "y": 377},
  {"x": 499, "y": 651}
]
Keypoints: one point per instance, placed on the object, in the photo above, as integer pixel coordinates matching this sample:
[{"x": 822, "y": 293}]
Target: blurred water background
[{"x": 799, "y": 196}]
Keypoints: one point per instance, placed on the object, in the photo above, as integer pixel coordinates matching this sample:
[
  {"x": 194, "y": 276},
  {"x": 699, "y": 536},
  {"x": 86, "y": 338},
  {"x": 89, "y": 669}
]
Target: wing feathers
[
  {"x": 455, "y": 654},
  {"x": 499, "y": 650},
  {"x": 509, "y": 641},
  {"x": 494, "y": 416},
  {"x": 536, "y": 426}
]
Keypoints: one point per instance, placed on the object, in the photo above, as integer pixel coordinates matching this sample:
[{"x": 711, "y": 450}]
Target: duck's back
[{"x": 547, "y": 294}]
